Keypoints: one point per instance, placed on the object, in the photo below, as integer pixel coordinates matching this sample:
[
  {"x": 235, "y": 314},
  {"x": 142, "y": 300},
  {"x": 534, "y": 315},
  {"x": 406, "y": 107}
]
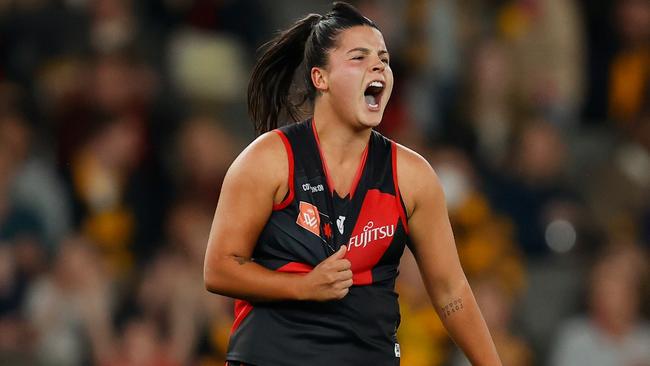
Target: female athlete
[{"x": 314, "y": 216}]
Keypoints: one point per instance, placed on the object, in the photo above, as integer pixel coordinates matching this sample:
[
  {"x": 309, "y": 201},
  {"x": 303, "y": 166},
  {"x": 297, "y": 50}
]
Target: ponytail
[
  {"x": 268, "y": 90},
  {"x": 306, "y": 43}
]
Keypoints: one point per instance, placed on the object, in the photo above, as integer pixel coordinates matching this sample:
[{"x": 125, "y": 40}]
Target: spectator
[
  {"x": 36, "y": 186},
  {"x": 70, "y": 305},
  {"x": 16, "y": 219},
  {"x": 100, "y": 177},
  {"x": 204, "y": 150},
  {"x": 545, "y": 37},
  {"x": 612, "y": 332},
  {"x": 534, "y": 184},
  {"x": 141, "y": 345}
]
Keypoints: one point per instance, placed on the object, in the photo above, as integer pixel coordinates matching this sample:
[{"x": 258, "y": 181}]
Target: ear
[{"x": 319, "y": 79}]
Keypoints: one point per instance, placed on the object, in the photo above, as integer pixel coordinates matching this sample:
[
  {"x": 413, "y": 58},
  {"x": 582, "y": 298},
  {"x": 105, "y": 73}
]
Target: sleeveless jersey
[{"x": 309, "y": 225}]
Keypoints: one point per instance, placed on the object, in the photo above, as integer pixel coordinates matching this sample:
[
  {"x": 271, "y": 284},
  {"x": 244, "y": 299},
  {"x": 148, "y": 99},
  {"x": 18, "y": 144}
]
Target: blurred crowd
[{"x": 119, "y": 118}]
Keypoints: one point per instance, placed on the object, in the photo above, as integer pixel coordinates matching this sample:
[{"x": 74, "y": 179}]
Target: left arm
[{"x": 435, "y": 251}]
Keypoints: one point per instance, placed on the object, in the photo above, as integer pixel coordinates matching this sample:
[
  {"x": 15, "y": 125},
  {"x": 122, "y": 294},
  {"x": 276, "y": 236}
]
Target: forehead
[{"x": 360, "y": 36}]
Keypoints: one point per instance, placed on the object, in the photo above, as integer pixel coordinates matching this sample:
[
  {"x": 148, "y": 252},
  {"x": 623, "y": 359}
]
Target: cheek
[
  {"x": 390, "y": 82},
  {"x": 346, "y": 83}
]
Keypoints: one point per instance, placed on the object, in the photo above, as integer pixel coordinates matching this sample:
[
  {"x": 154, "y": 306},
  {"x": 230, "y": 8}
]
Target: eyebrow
[{"x": 366, "y": 51}]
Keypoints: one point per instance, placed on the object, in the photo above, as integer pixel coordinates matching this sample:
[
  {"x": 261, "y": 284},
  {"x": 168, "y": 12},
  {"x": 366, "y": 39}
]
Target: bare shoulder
[
  {"x": 266, "y": 148},
  {"x": 263, "y": 163},
  {"x": 416, "y": 178}
]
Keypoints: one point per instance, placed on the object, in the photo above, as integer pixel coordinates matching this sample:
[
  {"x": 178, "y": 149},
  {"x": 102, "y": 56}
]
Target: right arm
[
  {"x": 435, "y": 251},
  {"x": 257, "y": 179}
]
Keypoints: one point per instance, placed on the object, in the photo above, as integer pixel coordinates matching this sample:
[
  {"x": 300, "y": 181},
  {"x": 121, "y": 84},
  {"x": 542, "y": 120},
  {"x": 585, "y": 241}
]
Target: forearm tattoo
[
  {"x": 242, "y": 260},
  {"x": 451, "y": 308}
]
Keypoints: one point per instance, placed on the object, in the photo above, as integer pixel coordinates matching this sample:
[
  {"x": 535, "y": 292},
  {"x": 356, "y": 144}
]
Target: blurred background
[{"x": 119, "y": 118}]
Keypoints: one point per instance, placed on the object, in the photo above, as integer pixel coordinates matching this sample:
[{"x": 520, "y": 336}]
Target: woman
[{"x": 311, "y": 221}]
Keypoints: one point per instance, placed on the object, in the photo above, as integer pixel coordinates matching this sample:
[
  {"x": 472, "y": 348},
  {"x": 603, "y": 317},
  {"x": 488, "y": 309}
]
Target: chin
[{"x": 371, "y": 120}]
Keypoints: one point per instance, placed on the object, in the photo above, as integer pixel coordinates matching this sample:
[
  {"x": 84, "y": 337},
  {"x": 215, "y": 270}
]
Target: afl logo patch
[{"x": 309, "y": 218}]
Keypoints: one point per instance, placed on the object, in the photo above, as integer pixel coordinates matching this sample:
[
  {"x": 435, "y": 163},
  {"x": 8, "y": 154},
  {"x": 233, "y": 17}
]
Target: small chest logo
[
  {"x": 339, "y": 224},
  {"x": 309, "y": 218},
  {"x": 317, "y": 188}
]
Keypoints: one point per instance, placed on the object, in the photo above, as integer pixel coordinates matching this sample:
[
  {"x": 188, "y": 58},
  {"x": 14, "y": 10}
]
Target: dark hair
[{"x": 304, "y": 44}]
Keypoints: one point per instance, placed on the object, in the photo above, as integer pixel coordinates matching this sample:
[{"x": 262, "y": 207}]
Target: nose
[{"x": 379, "y": 65}]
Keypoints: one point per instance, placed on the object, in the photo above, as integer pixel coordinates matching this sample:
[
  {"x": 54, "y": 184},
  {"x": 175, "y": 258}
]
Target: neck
[
  {"x": 614, "y": 328},
  {"x": 340, "y": 140}
]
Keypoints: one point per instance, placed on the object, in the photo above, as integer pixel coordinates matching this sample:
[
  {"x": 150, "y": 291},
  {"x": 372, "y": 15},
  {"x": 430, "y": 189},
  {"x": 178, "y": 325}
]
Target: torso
[{"x": 305, "y": 228}]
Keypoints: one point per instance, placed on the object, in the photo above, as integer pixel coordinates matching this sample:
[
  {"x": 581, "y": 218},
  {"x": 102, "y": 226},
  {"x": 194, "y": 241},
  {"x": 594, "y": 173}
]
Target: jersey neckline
[{"x": 358, "y": 174}]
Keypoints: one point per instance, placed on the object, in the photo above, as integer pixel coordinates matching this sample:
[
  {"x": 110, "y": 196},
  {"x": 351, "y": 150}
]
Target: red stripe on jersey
[
  {"x": 287, "y": 147},
  {"x": 357, "y": 177},
  {"x": 322, "y": 158},
  {"x": 402, "y": 214},
  {"x": 295, "y": 267},
  {"x": 242, "y": 308}
]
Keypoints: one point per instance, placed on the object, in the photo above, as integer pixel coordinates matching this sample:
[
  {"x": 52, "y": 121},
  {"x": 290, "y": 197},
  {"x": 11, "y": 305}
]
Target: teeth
[{"x": 378, "y": 84}]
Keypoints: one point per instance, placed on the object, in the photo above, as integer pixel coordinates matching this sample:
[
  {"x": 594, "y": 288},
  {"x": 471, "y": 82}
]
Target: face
[
  {"x": 357, "y": 82},
  {"x": 614, "y": 295}
]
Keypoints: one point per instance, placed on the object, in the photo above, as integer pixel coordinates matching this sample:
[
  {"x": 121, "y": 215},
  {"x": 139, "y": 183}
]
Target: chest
[{"x": 316, "y": 222}]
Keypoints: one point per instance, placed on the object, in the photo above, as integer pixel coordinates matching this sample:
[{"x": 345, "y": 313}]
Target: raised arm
[
  {"x": 435, "y": 251},
  {"x": 257, "y": 179}
]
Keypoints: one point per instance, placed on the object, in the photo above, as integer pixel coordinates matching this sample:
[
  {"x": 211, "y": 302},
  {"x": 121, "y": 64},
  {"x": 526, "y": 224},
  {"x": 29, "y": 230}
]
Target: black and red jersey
[{"x": 309, "y": 225}]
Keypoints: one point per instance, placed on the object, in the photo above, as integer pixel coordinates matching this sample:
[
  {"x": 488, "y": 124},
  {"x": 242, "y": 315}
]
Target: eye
[
  {"x": 385, "y": 60},
  {"x": 357, "y": 58}
]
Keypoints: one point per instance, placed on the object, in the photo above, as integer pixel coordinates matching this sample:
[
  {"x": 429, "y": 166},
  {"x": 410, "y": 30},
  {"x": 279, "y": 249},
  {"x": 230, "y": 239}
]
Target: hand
[{"x": 329, "y": 280}]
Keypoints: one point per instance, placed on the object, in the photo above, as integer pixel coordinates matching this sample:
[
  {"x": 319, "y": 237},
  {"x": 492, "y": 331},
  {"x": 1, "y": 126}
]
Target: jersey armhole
[
  {"x": 289, "y": 197},
  {"x": 398, "y": 196}
]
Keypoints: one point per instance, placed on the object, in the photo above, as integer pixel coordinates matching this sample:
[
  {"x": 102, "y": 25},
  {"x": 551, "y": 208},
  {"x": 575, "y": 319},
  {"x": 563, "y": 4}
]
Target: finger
[
  {"x": 341, "y": 265},
  {"x": 339, "y": 254},
  {"x": 331, "y": 278},
  {"x": 340, "y": 285},
  {"x": 341, "y": 294},
  {"x": 346, "y": 283},
  {"x": 344, "y": 275}
]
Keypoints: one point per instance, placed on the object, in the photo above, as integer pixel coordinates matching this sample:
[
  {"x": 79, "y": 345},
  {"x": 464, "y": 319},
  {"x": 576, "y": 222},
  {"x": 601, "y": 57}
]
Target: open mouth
[{"x": 372, "y": 94}]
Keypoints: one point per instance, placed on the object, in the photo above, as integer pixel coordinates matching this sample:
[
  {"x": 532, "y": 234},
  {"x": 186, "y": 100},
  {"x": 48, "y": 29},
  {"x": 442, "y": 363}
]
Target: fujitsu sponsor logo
[{"x": 371, "y": 234}]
